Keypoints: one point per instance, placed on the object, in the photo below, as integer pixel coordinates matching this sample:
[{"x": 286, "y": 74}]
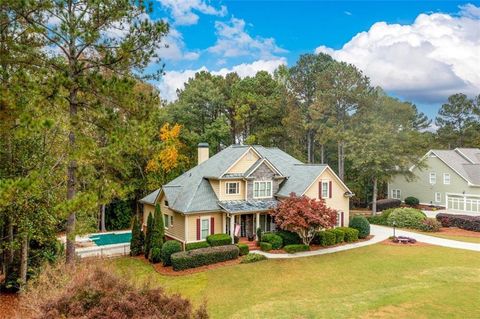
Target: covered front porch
[{"x": 243, "y": 218}]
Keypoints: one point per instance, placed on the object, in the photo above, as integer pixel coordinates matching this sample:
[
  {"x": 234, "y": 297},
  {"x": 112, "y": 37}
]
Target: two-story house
[
  {"x": 234, "y": 190},
  {"x": 449, "y": 178}
]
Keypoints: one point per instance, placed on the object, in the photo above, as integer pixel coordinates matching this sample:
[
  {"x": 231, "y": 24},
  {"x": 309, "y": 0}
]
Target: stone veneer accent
[{"x": 263, "y": 173}]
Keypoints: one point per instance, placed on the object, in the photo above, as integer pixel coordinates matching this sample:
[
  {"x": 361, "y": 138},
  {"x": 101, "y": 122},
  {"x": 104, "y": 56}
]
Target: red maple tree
[{"x": 304, "y": 216}]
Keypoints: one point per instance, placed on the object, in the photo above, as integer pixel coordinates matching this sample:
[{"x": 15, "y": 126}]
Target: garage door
[{"x": 466, "y": 203}]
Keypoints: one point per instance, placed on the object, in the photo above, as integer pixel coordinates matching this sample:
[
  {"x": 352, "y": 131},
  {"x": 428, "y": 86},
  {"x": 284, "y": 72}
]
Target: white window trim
[
  {"x": 394, "y": 193},
  {"x": 207, "y": 218},
  {"x": 432, "y": 176},
  {"x": 226, "y": 188},
  {"x": 171, "y": 221},
  {"x": 327, "y": 189},
  {"x": 438, "y": 200},
  {"x": 166, "y": 224},
  {"x": 271, "y": 189},
  {"x": 445, "y": 180}
]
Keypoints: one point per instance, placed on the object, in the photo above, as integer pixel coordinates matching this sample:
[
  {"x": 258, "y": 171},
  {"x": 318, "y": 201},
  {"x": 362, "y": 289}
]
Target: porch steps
[{"x": 252, "y": 245}]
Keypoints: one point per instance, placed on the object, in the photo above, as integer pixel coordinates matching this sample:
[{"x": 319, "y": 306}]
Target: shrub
[
  {"x": 411, "y": 201},
  {"x": 406, "y": 217},
  {"x": 264, "y": 246},
  {"x": 203, "y": 256},
  {"x": 197, "y": 245},
  {"x": 430, "y": 225},
  {"x": 380, "y": 219},
  {"x": 252, "y": 258},
  {"x": 291, "y": 249},
  {"x": 219, "y": 240},
  {"x": 326, "y": 238},
  {"x": 94, "y": 290},
  {"x": 158, "y": 233},
  {"x": 387, "y": 203},
  {"x": 170, "y": 247},
  {"x": 275, "y": 240},
  {"x": 289, "y": 238},
  {"x": 148, "y": 235},
  {"x": 259, "y": 234},
  {"x": 155, "y": 255},
  {"x": 243, "y": 249},
  {"x": 339, "y": 235},
  {"x": 461, "y": 221},
  {"x": 136, "y": 243},
  {"x": 361, "y": 224},
  {"x": 351, "y": 234}
]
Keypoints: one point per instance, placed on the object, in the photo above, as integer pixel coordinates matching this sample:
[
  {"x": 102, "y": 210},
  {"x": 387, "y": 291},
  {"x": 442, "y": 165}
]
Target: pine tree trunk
[
  {"x": 341, "y": 161},
  {"x": 309, "y": 147},
  {"x": 24, "y": 260},
  {"x": 102, "y": 218},
  {"x": 322, "y": 154},
  {"x": 374, "y": 199}
]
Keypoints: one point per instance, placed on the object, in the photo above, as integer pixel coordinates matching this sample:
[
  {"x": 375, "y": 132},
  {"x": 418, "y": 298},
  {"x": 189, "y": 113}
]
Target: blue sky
[{"x": 420, "y": 51}]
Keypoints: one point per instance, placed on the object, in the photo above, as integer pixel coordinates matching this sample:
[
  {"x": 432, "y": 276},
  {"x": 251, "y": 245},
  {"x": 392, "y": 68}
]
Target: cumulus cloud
[
  {"x": 437, "y": 55},
  {"x": 173, "y": 80},
  {"x": 183, "y": 11},
  {"x": 175, "y": 49},
  {"x": 234, "y": 41}
]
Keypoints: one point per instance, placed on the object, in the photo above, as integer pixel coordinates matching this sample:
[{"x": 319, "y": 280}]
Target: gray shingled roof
[
  {"x": 192, "y": 192},
  {"x": 465, "y": 161},
  {"x": 237, "y": 206},
  {"x": 150, "y": 198}
]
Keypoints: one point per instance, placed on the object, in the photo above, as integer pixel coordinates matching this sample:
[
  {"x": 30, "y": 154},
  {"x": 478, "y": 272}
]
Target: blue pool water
[{"x": 110, "y": 239}]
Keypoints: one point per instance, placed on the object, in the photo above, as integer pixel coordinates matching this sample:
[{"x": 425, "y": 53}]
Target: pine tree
[
  {"x": 156, "y": 241},
  {"x": 148, "y": 234},
  {"x": 136, "y": 243}
]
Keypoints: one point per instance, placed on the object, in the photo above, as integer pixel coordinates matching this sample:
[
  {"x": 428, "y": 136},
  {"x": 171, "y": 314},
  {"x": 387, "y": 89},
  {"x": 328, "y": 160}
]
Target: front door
[{"x": 246, "y": 225}]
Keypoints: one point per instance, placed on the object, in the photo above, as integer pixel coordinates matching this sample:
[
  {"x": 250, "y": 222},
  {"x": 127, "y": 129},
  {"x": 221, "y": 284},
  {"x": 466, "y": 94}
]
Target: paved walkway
[{"x": 380, "y": 234}]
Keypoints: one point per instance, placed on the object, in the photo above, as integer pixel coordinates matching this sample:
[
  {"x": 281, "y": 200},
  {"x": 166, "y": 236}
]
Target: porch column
[
  {"x": 257, "y": 223},
  {"x": 232, "y": 225},
  {"x": 224, "y": 223}
]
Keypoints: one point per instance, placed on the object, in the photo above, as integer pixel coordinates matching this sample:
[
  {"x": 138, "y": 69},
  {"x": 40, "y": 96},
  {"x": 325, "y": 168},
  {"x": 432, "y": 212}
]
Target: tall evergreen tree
[
  {"x": 158, "y": 233},
  {"x": 148, "y": 234},
  {"x": 136, "y": 243}
]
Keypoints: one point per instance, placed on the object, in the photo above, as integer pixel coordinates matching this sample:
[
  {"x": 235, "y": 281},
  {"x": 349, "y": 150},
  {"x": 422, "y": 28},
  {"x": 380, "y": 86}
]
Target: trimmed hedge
[
  {"x": 252, "y": 258},
  {"x": 461, "y": 221},
  {"x": 170, "y": 247},
  {"x": 351, "y": 234},
  {"x": 219, "y": 240},
  {"x": 264, "y": 246},
  {"x": 361, "y": 224},
  {"x": 411, "y": 201},
  {"x": 339, "y": 235},
  {"x": 387, "y": 203},
  {"x": 243, "y": 249},
  {"x": 275, "y": 240},
  {"x": 291, "y": 249},
  {"x": 289, "y": 238},
  {"x": 406, "y": 217},
  {"x": 197, "y": 245},
  {"x": 430, "y": 225},
  {"x": 326, "y": 238},
  {"x": 203, "y": 256}
]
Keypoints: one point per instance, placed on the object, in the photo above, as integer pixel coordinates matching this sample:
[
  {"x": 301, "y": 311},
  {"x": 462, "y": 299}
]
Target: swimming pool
[{"x": 111, "y": 238}]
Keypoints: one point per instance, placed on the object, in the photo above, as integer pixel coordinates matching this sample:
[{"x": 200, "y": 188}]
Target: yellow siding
[
  {"x": 338, "y": 201},
  {"x": 222, "y": 195},
  {"x": 192, "y": 224},
  {"x": 177, "y": 231},
  {"x": 244, "y": 163},
  {"x": 215, "y": 186}
]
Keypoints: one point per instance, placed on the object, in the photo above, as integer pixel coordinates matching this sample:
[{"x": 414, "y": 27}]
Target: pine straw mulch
[
  {"x": 454, "y": 231},
  {"x": 389, "y": 242},
  {"x": 9, "y": 306}
]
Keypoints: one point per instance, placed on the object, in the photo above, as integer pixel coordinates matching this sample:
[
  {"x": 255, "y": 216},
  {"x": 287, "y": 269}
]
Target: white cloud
[
  {"x": 234, "y": 41},
  {"x": 173, "y": 80},
  {"x": 182, "y": 11},
  {"x": 175, "y": 48},
  {"x": 437, "y": 55}
]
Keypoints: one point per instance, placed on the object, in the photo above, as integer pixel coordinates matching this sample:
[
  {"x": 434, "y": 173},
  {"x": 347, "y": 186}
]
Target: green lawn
[{"x": 377, "y": 281}]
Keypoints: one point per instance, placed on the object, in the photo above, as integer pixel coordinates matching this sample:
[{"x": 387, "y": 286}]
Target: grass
[
  {"x": 467, "y": 239},
  {"x": 377, "y": 281}
]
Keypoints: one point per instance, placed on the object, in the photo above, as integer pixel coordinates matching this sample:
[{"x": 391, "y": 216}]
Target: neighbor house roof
[
  {"x": 192, "y": 192},
  {"x": 464, "y": 161}
]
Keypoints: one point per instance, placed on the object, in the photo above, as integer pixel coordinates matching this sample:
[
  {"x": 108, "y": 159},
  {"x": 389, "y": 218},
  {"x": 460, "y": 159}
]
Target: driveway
[{"x": 380, "y": 234}]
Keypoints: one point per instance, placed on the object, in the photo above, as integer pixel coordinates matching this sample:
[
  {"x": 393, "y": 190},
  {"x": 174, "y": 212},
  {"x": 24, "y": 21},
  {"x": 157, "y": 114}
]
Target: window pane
[{"x": 205, "y": 228}]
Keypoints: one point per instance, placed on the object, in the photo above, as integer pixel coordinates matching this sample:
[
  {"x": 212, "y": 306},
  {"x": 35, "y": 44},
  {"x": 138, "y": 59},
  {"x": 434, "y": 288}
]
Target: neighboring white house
[{"x": 450, "y": 178}]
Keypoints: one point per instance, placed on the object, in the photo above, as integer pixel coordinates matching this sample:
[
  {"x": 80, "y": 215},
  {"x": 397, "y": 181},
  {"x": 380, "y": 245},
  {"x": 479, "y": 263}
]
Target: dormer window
[
  {"x": 232, "y": 188},
  {"x": 262, "y": 189}
]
